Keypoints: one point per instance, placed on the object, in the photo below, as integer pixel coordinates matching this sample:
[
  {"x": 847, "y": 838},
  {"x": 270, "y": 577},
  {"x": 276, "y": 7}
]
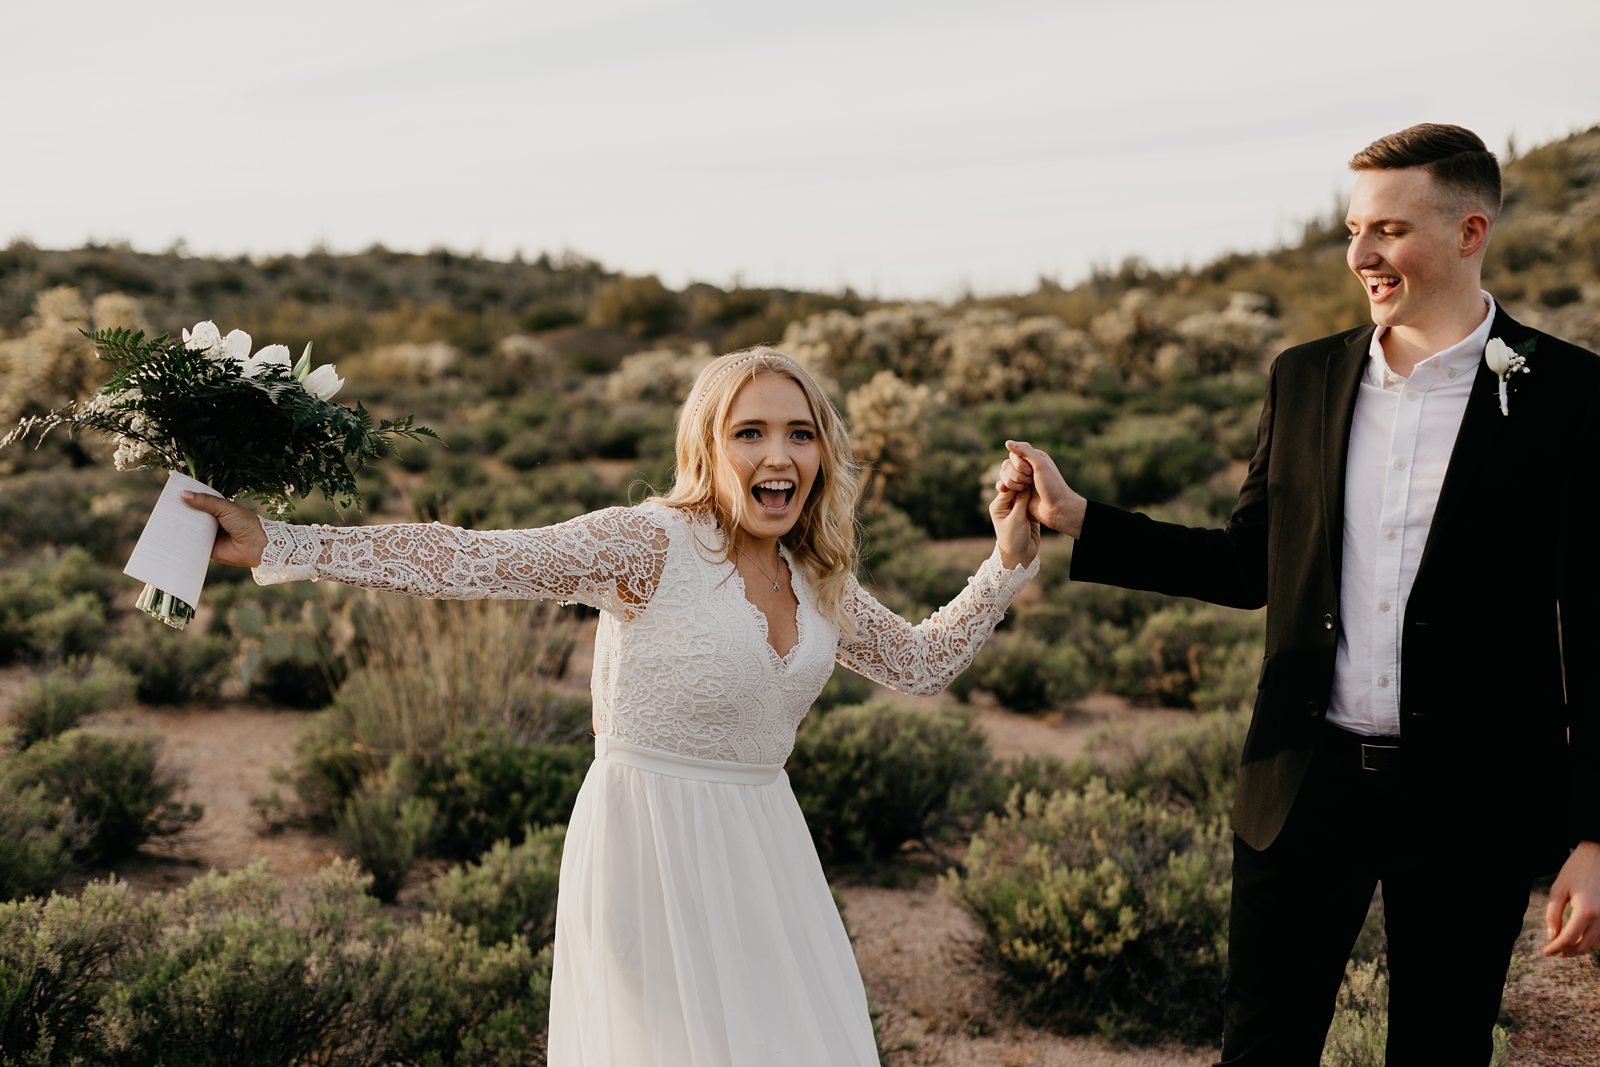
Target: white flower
[
  {"x": 323, "y": 383},
  {"x": 208, "y": 339},
  {"x": 1498, "y": 355},
  {"x": 272, "y": 355},
  {"x": 130, "y": 454},
  {"x": 1504, "y": 361}
]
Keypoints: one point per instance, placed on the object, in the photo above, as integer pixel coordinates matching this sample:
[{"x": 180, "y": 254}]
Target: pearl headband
[{"x": 723, "y": 371}]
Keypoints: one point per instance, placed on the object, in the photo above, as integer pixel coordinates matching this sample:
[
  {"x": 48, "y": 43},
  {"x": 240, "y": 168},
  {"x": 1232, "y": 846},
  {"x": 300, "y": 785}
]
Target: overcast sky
[{"x": 907, "y": 149}]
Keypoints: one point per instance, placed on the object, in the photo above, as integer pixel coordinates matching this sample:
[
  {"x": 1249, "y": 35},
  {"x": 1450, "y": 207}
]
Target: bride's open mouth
[{"x": 774, "y": 495}]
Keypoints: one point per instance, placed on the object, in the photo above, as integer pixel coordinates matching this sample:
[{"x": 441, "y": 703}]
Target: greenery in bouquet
[{"x": 258, "y": 426}]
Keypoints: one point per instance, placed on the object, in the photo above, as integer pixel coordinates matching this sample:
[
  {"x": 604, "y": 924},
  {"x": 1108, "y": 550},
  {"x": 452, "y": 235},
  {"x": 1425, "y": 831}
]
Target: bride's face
[{"x": 770, "y": 456}]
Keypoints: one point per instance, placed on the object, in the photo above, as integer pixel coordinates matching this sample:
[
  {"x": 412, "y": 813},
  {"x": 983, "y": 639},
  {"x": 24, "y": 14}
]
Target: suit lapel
[
  {"x": 1483, "y": 432},
  {"x": 1341, "y": 384}
]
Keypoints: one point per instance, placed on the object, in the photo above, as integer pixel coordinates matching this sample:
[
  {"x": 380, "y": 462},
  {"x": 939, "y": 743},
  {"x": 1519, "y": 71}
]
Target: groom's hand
[
  {"x": 240, "y": 537},
  {"x": 1577, "y": 886},
  {"x": 1053, "y": 502}
]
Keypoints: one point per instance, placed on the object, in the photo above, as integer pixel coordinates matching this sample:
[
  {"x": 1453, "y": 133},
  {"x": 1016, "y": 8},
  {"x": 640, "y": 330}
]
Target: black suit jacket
[{"x": 1500, "y": 656}]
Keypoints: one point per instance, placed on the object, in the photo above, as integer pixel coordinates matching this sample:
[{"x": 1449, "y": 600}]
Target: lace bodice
[{"x": 682, "y": 662}]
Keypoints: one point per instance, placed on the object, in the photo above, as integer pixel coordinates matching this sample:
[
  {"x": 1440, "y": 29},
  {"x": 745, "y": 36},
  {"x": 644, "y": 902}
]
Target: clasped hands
[{"x": 1052, "y": 502}]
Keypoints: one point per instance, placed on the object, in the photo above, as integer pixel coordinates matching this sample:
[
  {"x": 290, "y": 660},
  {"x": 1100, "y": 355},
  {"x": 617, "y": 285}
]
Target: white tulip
[
  {"x": 236, "y": 346},
  {"x": 272, "y": 355},
  {"x": 1498, "y": 355},
  {"x": 205, "y": 337},
  {"x": 323, "y": 383}
]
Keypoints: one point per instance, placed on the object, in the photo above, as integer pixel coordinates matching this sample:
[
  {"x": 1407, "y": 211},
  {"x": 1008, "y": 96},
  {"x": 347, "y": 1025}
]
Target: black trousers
[{"x": 1453, "y": 909}]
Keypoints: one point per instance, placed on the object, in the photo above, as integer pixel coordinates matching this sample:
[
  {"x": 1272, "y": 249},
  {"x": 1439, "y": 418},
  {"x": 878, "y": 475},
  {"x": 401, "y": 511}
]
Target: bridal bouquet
[{"x": 219, "y": 420}]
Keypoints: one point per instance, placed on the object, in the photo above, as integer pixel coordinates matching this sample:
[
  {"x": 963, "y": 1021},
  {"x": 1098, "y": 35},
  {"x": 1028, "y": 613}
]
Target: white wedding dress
[{"x": 694, "y": 927}]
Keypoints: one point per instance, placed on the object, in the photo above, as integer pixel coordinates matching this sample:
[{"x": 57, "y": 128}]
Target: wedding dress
[{"x": 694, "y": 926}]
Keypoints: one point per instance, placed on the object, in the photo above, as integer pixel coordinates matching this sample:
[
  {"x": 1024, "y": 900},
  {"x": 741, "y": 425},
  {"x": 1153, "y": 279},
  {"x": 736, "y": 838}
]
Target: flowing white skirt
[{"x": 694, "y": 927}]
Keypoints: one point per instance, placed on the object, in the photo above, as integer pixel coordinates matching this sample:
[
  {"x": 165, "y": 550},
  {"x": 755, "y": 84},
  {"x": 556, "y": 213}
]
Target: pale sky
[{"x": 907, "y": 149}]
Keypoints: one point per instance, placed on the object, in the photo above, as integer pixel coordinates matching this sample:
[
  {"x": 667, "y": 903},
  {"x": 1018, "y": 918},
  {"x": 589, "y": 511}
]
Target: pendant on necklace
[{"x": 776, "y": 588}]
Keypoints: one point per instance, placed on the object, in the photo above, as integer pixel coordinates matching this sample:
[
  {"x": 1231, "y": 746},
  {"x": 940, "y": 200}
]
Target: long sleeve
[
  {"x": 610, "y": 559},
  {"x": 926, "y": 657}
]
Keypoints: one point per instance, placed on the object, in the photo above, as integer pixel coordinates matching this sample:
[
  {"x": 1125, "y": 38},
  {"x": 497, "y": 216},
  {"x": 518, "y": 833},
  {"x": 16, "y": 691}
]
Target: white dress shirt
[{"x": 1400, "y": 443}]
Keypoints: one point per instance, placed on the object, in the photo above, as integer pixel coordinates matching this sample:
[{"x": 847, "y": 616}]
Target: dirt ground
[{"x": 933, "y": 992}]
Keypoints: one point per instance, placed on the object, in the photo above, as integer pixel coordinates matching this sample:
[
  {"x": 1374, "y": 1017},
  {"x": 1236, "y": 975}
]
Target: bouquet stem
[{"x": 159, "y": 604}]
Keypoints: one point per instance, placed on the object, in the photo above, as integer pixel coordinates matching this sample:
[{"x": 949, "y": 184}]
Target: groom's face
[{"x": 1405, "y": 246}]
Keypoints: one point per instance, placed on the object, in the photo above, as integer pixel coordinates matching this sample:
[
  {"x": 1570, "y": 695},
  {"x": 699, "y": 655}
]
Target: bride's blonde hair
[{"x": 823, "y": 539}]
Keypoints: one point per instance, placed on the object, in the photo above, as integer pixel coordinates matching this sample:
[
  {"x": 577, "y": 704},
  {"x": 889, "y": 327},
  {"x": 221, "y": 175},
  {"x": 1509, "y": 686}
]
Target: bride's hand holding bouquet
[{"x": 226, "y": 423}]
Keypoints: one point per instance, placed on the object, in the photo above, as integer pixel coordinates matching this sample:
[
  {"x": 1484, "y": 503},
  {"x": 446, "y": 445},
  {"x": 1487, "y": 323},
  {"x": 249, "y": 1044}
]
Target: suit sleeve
[{"x": 1222, "y": 566}]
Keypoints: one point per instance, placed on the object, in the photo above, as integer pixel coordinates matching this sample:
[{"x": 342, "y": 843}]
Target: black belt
[{"x": 1376, "y": 754}]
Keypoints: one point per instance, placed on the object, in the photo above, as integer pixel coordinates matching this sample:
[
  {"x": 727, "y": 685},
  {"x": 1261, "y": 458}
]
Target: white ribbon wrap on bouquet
[{"x": 175, "y": 547}]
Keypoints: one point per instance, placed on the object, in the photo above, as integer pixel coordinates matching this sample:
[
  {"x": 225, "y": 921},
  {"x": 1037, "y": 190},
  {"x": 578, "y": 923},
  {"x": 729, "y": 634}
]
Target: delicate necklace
[{"x": 776, "y": 588}]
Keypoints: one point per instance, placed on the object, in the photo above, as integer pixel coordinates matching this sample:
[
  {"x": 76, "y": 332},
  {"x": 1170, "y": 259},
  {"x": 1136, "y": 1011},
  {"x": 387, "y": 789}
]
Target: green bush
[
  {"x": 59, "y": 700},
  {"x": 642, "y": 307},
  {"x": 117, "y": 788},
  {"x": 216, "y": 973},
  {"x": 170, "y": 667},
  {"x": 1027, "y": 673},
  {"x": 1194, "y": 765},
  {"x": 387, "y": 828},
  {"x": 1105, "y": 912},
  {"x": 1181, "y": 650},
  {"x": 54, "y": 606},
  {"x": 487, "y": 787},
  {"x": 509, "y": 894},
  {"x": 1152, "y": 457},
  {"x": 845, "y": 687},
  {"x": 287, "y": 652},
  {"x": 872, "y": 777},
  {"x": 38, "y": 837}
]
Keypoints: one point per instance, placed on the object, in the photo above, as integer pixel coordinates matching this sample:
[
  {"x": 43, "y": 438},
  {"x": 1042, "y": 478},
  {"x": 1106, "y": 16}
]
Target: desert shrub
[
  {"x": 550, "y": 314},
  {"x": 1027, "y": 673},
  {"x": 642, "y": 307},
  {"x": 487, "y": 787},
  {"x": 97, "y": 510},
  {"x": 1180, "y": 649},
  {"x": 387, "y": 828},
  {"x": 845, "y": 687},
  {"x": 288, "y": 653},
  {"x": 218, "y": 973},
  {"x": 1360, "y": 1027},
  {"x": 509, "y": 894},
  {"x": 1105, "y": 912},
  {"x": 1193, "y": 765},
  {"x": 38, "y": 837},
  {"x": 169, "y": 667},
  {"x": 1034, "y": 773},
  {"x": 72, "y": 627},
  {"x": 1152, "y": 457},
  {"x": 945, "y": 492},
  {"x": 873, "y": 777},
  {"x": 53, "y": 606},
  {"x": 117, "y": 787},
  {"x": 59, "y": 700}
]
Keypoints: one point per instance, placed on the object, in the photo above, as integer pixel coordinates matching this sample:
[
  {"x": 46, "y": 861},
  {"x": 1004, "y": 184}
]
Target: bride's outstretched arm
[
  {"x": 610, "y": 559},
  {"x": 927, "y": 657}
]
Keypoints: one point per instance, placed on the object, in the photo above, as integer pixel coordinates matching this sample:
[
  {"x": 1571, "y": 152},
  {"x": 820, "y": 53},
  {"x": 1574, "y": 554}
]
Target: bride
[{"x": 694, "y": 926}]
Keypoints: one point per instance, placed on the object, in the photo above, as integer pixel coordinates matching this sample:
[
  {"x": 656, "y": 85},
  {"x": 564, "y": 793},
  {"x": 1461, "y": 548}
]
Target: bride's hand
[
  {"x": 241, "y": 538},
  {"x": 1015, "y": 534}
]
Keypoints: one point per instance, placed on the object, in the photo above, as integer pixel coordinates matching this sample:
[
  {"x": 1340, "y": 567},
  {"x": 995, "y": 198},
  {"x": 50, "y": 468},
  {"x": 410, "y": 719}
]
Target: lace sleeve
[
  {"x": 610, "y": 559},
  {"x": 925, "y": 658}
]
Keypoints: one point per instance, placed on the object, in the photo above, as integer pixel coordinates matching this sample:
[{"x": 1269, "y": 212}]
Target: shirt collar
[{"x": 1460, "y": 358}]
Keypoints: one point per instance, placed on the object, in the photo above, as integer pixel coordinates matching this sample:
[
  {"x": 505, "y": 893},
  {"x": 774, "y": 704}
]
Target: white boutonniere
[{"x": 1506, "y": 361}]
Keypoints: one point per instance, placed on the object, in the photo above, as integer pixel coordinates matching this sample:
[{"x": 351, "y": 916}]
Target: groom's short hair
[{"x": 1456, "y": 157}]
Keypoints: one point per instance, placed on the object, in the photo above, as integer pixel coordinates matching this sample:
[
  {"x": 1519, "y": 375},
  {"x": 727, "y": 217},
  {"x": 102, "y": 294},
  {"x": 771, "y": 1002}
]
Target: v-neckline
[{"x": 763, "y": 627}]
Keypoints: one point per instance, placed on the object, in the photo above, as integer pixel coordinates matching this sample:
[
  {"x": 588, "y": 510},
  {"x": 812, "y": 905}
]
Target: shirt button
[
  {"x": 1389, "y": 536},
  {"x": 1327, "y": 622},
  {"x": 1399, "y": 464},
  {"x": 1383, "y": 682},
  {"x": 1384, "y": 607},
  {"x": 1411, "y": 394},
  {"x": 1449, "y": 374}
]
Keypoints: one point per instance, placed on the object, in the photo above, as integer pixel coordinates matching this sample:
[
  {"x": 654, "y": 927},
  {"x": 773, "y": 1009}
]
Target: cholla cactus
[
  {"x": 850, "y": 349},
  {"x": 888, "y": 420},
  {"x": 412, "y": 361},
  {"x": 52, "y": 363},
  {"x": 657, "y": 375},
  {"x": 1241, "y": 337},
  {"x": 991, "y": 355}
]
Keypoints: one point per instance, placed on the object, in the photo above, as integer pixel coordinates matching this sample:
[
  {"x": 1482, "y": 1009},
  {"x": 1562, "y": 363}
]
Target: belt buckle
[{"x": 1377, "y": 757}]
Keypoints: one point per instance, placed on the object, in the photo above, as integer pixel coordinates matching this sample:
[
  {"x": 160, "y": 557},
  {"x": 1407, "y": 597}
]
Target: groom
[{"x": 1428, "y": 712}]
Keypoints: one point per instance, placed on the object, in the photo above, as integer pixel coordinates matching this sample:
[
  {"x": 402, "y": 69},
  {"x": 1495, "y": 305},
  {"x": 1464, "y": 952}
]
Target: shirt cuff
[{"x": 290, "y": 556}]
